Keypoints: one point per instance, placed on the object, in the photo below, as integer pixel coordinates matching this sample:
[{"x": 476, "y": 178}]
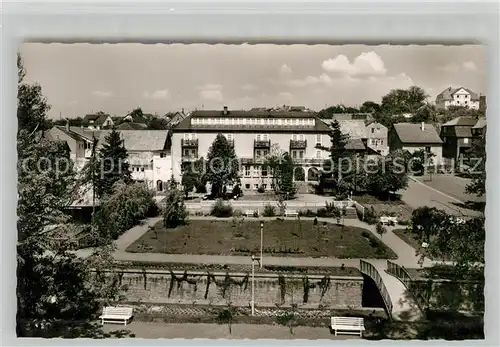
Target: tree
[
  {"x": 32, "y": 106},
  {"x": 476, "y": 155},
  {"x": 192, "y": 176},
  {"x": 370, "y": 107},
  {"x": 400, "y": 101},
  {"x": 112, "y": 164},
  {"x": 54, "y": 286},
  {"x": 328, "y": 112},
  {"x": 387, "y": 174},
  {"x": 282, "y": 168},
  {"x": 222, "y": 166},
  {"x": 380, "y": 229},
  {"x": 420, "y": 161},
  {"x": 123, "y": 208},
  {"x": 175, "y": 213},
  {"x": 426, "y": 113}
]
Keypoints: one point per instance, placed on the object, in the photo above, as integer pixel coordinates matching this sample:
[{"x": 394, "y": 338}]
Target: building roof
[
  {"x": 97, "y": 118},
  {"x": 78, "y": 133},
  {"x": 352, "y": 116},
  {"x": 481, "y": 123},
  {"x": 185, "y": 124},
  {"x": 355, "y": 144},
  {"x": 413, "y": 133},
  {"x": 131, "y": 126},
  {"x": 448, "y": 93},
  {"x": 140, "y": 140},
  {"x": 356, "y": 129},
  {"x": 462, "y": 121}
]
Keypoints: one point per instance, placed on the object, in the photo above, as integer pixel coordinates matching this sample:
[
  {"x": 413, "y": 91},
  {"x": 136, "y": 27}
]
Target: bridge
[{"x": 400, "y": 304}]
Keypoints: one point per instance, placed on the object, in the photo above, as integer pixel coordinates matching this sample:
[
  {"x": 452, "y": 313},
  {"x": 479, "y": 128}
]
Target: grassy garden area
[{"x": 281, "y": 238}]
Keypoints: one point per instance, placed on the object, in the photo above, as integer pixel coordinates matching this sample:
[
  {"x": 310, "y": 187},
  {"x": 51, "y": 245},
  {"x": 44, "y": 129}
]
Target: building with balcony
[
  {"x": 457, "y": 135},
  {"x": 254, "y": 134},
  {"x": 458, "y": 97}
]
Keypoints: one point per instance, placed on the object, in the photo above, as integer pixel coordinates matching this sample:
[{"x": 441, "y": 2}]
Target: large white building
[
  {"x": 253, "y": 134},
  {"x": 457, "y": 97}
]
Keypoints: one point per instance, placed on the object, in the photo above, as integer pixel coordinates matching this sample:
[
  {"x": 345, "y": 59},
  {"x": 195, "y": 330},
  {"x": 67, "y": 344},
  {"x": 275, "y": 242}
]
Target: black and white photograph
[{"x": 251, "y": 191}]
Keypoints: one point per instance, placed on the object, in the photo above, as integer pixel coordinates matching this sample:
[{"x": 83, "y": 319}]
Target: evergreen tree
[
  {"x": 282, "y": 168},
  {"x": 175, "y": 213},
  {"x": 222, "y": 166},
  {"x": 55, "y": 288},
  {"x": 192, "y": 176},
  {"x": 112, "y": 164}
]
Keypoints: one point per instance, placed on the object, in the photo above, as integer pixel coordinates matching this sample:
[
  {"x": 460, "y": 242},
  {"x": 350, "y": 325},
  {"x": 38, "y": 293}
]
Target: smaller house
[
  {"x": 461, "y": 96},
  {"x": 414, "y": 137},
  {"x": 479, "y": 129},
  {"x": 98, "y": 121},
  {"x": 377, "y": 138},
  {"x": 175, "y": 118},
  {"x": 457, "y": 136}
]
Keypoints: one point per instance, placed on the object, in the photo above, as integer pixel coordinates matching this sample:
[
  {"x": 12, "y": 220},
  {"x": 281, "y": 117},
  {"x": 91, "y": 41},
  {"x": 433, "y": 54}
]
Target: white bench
[
  {"x": 291, "y": 213},
  {"x": 348, "y": 325},
  {"x": 251, "y": 213},
  {"x": 388, "y": 220},
  {"x": 116, "y": 314}
]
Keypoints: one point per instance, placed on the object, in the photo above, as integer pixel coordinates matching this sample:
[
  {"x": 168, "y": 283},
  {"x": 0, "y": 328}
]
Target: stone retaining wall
[{"x": 218, "y": 288}]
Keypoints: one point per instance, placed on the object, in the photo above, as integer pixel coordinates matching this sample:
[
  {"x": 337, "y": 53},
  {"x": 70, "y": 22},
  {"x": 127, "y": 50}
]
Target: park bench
[
  {"x": 252, "y": 213},
  {"x": 388, "y": 220},
  {"x": 116, "y": 314},
  {"x": 348, "y": 325},
  {"x": 291, "y": 213}
]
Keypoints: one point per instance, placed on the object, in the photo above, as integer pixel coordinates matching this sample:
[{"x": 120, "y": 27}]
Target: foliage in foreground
[
  {"x": 175, "y": 213},
  {"x": 124, "y": 208}
]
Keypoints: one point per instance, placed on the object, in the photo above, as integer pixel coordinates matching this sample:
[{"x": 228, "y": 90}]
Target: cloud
[
  {"x": 210, "y": 86},
  {"x": 285, "y": 95},
  {"x": 102, "y": 93},
  {"x": 366, "y": 64},
  {"x": 157, "y": 95},
  {"x": 211, "y": 91},
  {"x": 469, "y": 65},
  {"x": 285, "y": 70},
  {"x": 215, "y": 95},
  {"x": 248, "y": 87},
  {"x": 310, "y": 81}
]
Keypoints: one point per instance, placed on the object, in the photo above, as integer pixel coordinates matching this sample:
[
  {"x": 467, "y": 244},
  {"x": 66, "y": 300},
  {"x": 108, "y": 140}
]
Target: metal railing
[
  {"x": 401, "y": 274},
  {"x": 189, "y": 143},
  {"x": 298, "y": 144},
  {"x": 370, "y": 270},
  {"x": 262, "y": 143}
]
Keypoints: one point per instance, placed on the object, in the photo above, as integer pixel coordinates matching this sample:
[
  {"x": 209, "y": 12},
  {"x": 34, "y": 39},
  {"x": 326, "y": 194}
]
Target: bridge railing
[
  {"x": 401, "y": 274},
  {"x": 370, "y": 270}
]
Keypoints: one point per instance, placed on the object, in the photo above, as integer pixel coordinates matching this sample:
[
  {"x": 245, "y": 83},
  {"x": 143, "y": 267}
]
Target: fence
[
  {"x": 370, "y": 270},
  {"x": 401, "y": 274},
  {"x": 260, "y": 203}
]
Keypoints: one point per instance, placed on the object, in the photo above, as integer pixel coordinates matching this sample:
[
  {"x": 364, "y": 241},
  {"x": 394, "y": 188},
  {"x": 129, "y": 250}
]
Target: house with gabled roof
[
  {"x": 458, "y": 97},
  {"x": 413, "y": 137},
  {"x": 98, "y": 121},
  {"x": 457, "y": 136}
]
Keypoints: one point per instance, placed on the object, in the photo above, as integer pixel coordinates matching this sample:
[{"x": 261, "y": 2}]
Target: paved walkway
[{"x": 149, "y": 330}]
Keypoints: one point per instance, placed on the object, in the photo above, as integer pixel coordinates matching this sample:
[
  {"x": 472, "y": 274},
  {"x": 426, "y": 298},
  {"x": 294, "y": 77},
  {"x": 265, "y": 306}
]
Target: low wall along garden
[{"x": 219, "y": 288}]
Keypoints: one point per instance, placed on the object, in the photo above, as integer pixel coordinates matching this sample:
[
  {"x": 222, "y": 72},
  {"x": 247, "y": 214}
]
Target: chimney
[
  {"x": 422, "y": 126},
  {"x": 225, "y": 110}
]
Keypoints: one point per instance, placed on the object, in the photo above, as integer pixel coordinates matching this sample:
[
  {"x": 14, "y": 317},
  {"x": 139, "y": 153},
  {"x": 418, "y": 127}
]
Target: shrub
[
  {"x": 237, "y": 213},
  {"x": 371, "y": 216},
  {"x": 261, "y": 189},
  {"x": 221, "y": 209},
  {"x": 404, "y": 222},
  {"x": 269, "y": 211},
  {"x": 307, "y": 213}
]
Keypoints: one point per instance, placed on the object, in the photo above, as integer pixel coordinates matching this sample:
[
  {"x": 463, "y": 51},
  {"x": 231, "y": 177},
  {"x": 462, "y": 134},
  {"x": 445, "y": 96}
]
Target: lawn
[{"x": 281, "y": 238}]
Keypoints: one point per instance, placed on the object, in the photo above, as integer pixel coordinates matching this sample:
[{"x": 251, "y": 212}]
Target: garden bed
[
  {"x": 243, "y": 268},
  {"x": 281, "y": 238}
]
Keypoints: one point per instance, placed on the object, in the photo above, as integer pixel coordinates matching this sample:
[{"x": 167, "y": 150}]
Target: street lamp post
[
  {"x": 261, "y": 241},
  {"x": 253, "y": 283}
]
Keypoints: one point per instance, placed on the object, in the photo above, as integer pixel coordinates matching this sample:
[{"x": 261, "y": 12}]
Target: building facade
[
  {"x": 415, "y": 137},
  {"x": 457, "y": 137},
  {"x": 254, "y": 135},
  {"x": 377, "y": 138},
  {"x": 458, "y": 97},
  {"x": 149, "y": 155}
]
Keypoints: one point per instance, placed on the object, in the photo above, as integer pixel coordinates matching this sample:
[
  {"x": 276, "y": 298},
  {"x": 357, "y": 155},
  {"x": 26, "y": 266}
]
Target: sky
[{"x": 78, "y": 79}]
